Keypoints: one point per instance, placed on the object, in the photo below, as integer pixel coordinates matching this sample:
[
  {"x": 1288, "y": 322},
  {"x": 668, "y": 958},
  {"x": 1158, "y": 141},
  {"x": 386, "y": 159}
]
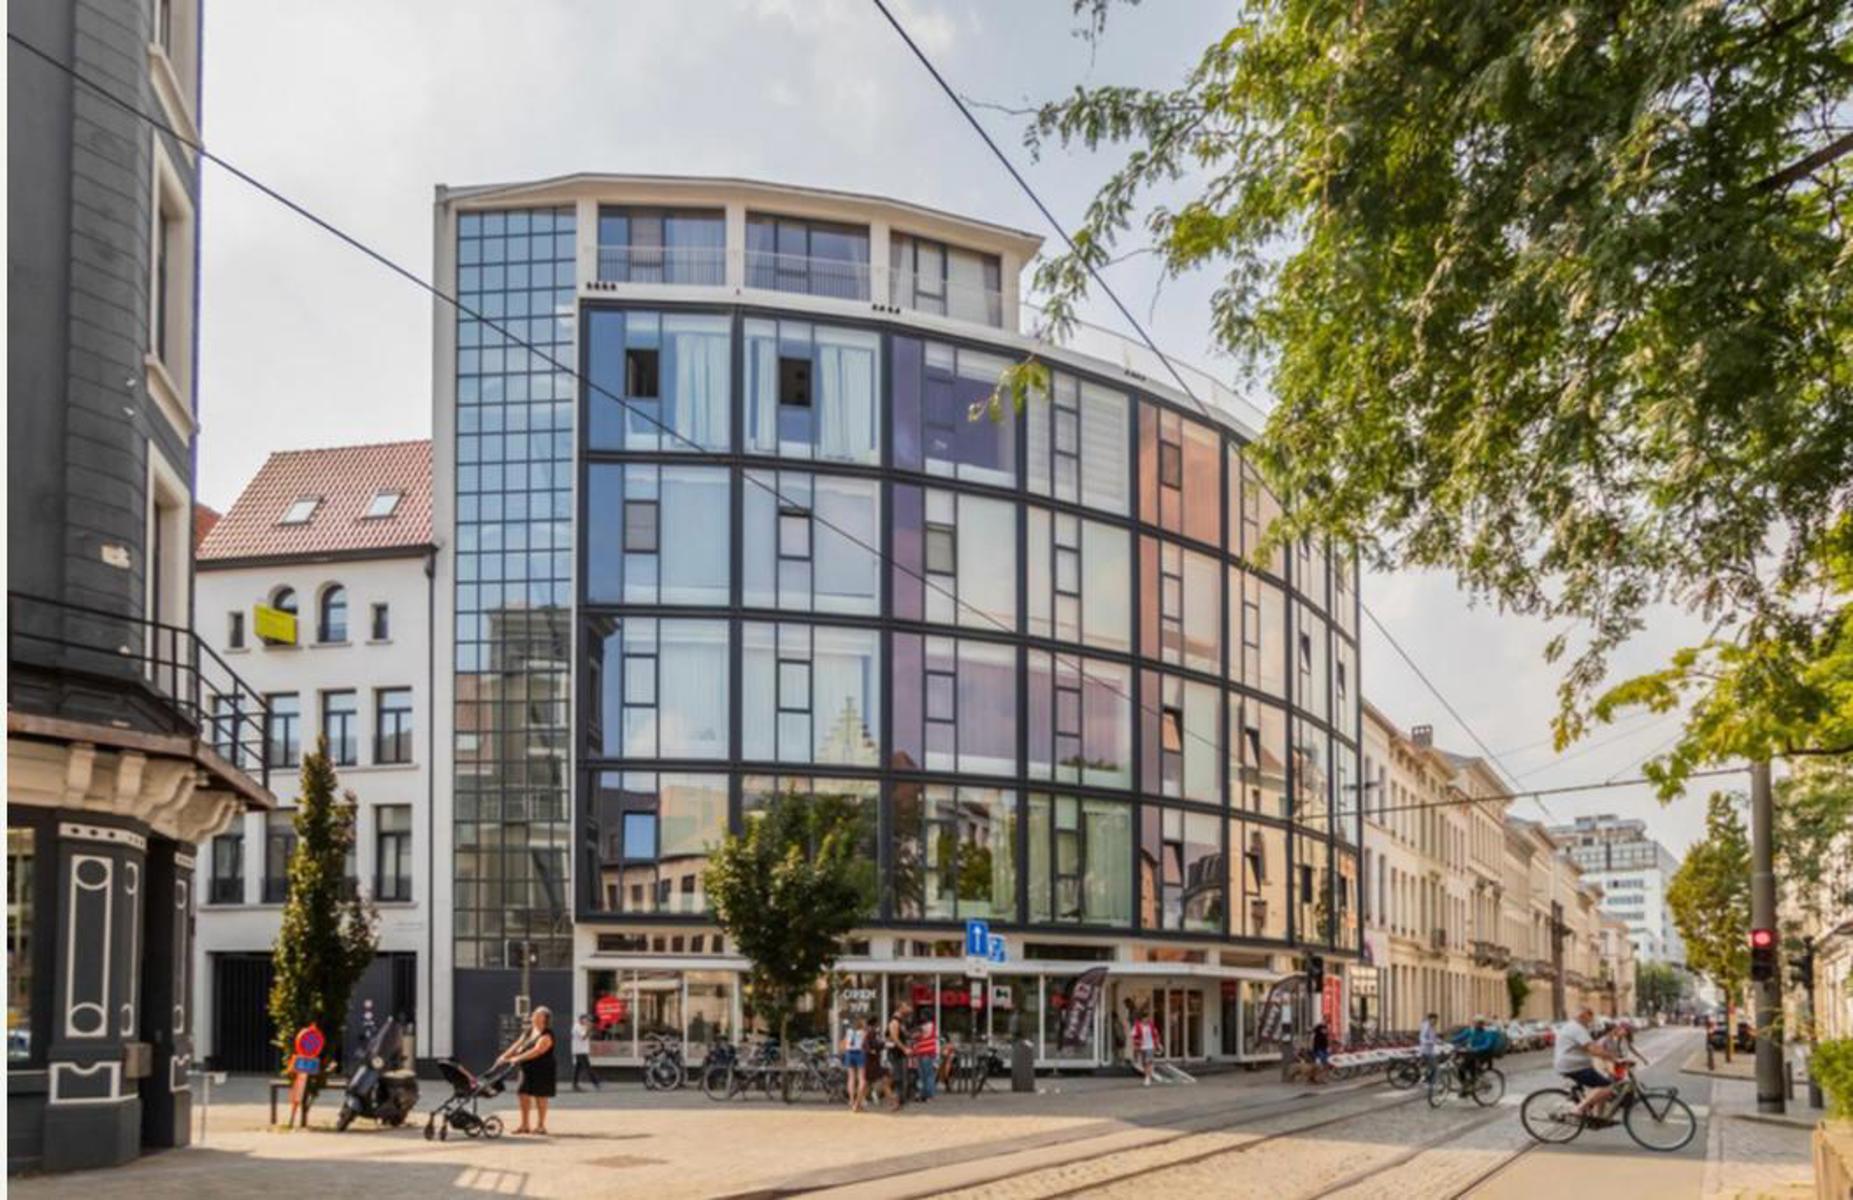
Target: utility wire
[
  {"x": 1370, "y": 810},
  {"x": 1077, "y": 657},
  {"x": 1023, "y": 183}
]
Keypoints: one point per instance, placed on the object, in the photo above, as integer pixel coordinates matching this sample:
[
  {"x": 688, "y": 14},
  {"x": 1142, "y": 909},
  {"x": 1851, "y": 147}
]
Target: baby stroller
[{"x": 459, "y": 1111}]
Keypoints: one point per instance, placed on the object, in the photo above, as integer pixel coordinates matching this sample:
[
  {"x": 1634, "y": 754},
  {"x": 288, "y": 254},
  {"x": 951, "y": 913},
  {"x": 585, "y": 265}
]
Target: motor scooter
[{"x": 378, "y": 1088}]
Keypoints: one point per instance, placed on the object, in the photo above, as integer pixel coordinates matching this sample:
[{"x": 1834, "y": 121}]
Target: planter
[{"x": 1833, "y": 1160}]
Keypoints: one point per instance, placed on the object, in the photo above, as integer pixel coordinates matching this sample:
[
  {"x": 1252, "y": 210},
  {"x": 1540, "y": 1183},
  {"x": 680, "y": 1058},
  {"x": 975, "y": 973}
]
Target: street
[{"x": 1242, "y": 1134}]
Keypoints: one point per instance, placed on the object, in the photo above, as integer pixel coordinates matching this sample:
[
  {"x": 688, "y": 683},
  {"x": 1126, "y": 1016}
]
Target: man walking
[
  {"x": 1428, "y": 1042},
  {"x": 582, "y": 1053}
]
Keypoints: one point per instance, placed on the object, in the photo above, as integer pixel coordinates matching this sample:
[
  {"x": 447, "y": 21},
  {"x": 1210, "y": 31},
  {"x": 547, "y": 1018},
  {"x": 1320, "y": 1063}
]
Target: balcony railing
[
  {"x": 1438, "y": 938},
  {"x": 944, "y": 298},
  {"x": 837, "y": 278},
  {"x": 699, "y": 266},
  {"x": 101, "y": 667},
  {"x": 1490, "y": 954}
]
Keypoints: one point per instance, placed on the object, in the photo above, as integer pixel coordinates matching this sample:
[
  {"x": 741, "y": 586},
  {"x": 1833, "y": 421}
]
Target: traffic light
[
  {"x": 1801, "y": 967},
  {"x": 1762, "y": 955},
  {"x": 1315, "y": 973}
]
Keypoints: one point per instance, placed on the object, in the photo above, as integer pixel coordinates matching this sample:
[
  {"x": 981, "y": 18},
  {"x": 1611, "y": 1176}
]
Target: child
[{"x": 855, "y": 1060}]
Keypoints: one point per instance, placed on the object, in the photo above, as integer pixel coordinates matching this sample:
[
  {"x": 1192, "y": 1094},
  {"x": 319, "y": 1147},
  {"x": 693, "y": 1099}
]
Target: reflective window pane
[
  {"x": 810, "y": 391},
  {"x": 658, "y": 381},
  {"x": 1080, "y": 861},
  {"x": 1080, "y": 720},
  {"x": 811, "y": 542},
  {"x": 954, "y": 852},
  {"x": 810, "y": 694}
]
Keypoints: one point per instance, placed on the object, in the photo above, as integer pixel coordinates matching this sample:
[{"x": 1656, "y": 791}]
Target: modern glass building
[{"x": 725, "y": 527}]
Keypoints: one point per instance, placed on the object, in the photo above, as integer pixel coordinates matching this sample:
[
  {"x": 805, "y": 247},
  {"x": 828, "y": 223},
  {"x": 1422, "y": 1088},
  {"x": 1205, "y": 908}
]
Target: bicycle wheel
[
  {"x": 1550, "y": 1115},
  {"x": 1441, "y": 1085},
  {"x": 1660, "y": 1122},
  {"x": 715, "y": 1082},
  {"x": 1490, "y": 1087},
  {"x": 1404, "y": 1073}
]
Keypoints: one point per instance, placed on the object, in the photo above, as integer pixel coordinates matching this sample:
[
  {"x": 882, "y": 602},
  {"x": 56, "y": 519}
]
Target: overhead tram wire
[
  {"x": 997, "y": 151},
  {"x": 1532, "y": 793},
  {"x": 698, "y": 453}
]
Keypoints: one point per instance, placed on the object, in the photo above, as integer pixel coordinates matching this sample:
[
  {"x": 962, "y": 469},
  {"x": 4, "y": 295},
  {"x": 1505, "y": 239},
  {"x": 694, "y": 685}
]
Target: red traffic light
[{"x": 1762, "y": 939}]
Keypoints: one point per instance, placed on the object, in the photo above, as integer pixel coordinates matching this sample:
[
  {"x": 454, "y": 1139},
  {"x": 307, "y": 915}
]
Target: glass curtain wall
[{"x": 515, "y": 395}]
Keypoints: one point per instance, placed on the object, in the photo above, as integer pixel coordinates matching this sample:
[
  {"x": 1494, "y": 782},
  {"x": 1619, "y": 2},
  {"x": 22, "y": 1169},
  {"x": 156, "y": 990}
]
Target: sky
[{"x": 357, "y": 111}]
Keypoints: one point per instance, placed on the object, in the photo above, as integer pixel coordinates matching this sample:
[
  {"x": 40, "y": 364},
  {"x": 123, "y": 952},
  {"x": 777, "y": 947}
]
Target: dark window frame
[{"x": 392, "y": 726}]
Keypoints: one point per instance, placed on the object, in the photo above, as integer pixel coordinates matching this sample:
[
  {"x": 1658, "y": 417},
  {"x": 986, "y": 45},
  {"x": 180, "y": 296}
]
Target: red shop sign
[{"x": 610, "y": 1009}]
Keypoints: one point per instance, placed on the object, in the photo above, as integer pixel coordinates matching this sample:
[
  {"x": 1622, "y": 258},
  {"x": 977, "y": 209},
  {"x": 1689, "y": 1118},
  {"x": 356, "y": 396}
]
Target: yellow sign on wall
[{"x": 273, "y": 624}]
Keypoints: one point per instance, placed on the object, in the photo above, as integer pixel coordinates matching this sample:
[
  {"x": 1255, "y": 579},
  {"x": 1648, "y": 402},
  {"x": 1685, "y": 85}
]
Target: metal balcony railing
[
  {"x": 699, "y": 266},
  {"x": 176, "y": 682},
  {"x": 944, "y": 298},
  {"x": 837, "y": 278}
]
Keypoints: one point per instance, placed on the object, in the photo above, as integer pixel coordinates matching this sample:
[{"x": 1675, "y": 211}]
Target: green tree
[
  {"x": 787, "y": 892},
  {"x": 328, "y": 936},
  {"x": 1658, "y": 987},
  {"x": 1814, "y": 811},
  {"x": 1710, "y": 900},
  {"x": 1553, "y": 296},
  {"x": 1518, "y": 988}
]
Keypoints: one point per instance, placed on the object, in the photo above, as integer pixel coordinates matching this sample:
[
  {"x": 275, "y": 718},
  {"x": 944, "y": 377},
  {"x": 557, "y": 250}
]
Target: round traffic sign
[{"x": 309, "y": 1041}]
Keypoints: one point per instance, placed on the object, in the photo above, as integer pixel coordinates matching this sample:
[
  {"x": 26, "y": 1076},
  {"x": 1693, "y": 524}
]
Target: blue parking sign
[
  {"x": 995, "y": 948},
  {"x": 977, "y": 939}
]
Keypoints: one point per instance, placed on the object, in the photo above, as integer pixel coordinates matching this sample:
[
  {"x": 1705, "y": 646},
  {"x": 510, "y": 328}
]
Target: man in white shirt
[
  {"x": 1428, "y": 1042},
  {"x": 1573, "y": 1055}
]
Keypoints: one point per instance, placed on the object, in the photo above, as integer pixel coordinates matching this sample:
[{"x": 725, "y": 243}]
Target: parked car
[{"x": 1746, "y": 1037}]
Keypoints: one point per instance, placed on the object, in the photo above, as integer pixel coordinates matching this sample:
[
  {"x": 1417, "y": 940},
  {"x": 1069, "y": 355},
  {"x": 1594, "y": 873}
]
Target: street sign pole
[{"x": 1767, "y": 993}]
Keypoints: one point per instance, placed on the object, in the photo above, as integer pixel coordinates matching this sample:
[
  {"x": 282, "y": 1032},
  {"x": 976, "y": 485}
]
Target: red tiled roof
[
  {"x": 343, "y": 480},
  {"x": 204, "y": 518}
]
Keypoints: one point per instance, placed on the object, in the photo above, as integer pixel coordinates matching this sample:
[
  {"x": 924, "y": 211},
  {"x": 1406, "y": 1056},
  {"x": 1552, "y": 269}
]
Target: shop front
[{"x": 1203, "y": 1012}]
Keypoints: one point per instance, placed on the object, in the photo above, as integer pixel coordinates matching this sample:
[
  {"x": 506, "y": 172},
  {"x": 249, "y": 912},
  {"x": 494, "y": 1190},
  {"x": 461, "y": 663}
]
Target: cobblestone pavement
[
  {"x": 1229, "y": 1135},
  {"x": 1750, "y": 1156}
]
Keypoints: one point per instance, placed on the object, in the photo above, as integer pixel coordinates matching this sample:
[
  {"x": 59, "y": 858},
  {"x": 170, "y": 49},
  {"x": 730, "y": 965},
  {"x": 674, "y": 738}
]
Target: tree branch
[{"x": 1802, "y": 168}]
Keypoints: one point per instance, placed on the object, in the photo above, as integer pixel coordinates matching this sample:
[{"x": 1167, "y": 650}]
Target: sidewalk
[{"x": 1749, "y": 1156}]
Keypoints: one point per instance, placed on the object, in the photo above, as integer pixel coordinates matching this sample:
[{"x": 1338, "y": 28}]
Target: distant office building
[
  {"x": 1633, "y": 871},
  {"x": 317, "y": 584}
]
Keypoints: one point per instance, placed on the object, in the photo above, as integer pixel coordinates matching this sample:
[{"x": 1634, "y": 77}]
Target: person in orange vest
[{"x": 926, "y": 1054}]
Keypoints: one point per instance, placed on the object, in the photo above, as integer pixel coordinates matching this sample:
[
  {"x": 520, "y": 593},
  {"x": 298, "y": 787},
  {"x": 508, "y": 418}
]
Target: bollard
[{"x": 1022, "y": 1066}]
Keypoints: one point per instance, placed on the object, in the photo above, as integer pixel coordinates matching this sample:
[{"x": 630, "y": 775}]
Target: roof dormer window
[
  {"x": 384, "y": 504},
  {"x": 301, "y": 510}
]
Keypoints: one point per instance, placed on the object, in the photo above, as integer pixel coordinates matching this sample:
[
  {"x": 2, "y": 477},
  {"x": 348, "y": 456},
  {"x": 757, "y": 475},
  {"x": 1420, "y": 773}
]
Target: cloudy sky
[{"x": 358, "y": 110}]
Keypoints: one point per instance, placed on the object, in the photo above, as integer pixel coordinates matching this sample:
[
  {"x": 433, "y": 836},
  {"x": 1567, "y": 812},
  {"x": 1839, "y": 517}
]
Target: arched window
[
  {"x": 333, "y": 622},
  {"x": 284, "y": 600}
]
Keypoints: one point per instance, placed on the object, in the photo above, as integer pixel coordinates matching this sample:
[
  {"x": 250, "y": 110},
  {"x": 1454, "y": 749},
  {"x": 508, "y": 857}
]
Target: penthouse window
[
  {"x": 948, "y": 281},
  {"x": 815, "y": 258},
  {"x": 662, "y": 245}
]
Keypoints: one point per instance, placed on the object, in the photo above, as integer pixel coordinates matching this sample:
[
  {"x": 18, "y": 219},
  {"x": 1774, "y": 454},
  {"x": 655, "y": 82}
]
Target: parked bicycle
[
  {"x": 1656, "y": 1118},
  {"x": 663, "y": 1068},
  {"x": 814, "y": 1067}
]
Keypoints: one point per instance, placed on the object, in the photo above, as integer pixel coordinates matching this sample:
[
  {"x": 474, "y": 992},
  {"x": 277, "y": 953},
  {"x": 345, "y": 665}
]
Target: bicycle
[
  {"x": 1486, "y": 1084},
  {"x": 663, "y": 1068},
  {"x": 1656, "y": 1118}
]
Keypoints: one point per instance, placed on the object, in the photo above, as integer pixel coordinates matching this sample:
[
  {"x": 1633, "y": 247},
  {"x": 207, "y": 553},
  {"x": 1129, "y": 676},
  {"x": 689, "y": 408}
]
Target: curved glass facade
[{"x": 1043, "y": 662}]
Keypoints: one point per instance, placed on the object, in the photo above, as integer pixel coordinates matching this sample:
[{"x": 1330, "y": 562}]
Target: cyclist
[
  {"x": 1477, "y": 1045},
  {"x": 1573, "y": 1056}
]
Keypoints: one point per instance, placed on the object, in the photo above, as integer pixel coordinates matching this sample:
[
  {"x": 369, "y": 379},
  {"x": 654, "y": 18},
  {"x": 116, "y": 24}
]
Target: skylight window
[
  {"x": 384, "y": 504},
  {"x": 300, "y": 512}
]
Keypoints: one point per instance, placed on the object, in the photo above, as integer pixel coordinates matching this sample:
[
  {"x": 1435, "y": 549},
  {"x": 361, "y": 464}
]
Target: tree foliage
[
  {"x": 1710, "y": 898},
  {"x": 1518, "y": 989},
  {"x": 788, "y": 891},
  {"x": 328, "y": 936},
  {"x": 1658, "y": 987},
  {"x": 1814, "y": 826},
  {"x": 1553, "y": 296}
]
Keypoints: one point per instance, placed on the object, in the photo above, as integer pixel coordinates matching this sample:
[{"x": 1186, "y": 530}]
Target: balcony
[
  {"x": 835, "y": 278},
  {"x": 945, "y": 298},
  {"x": 696, "y": 266},
  {"x": 1491, "y": 954},
  {"x": 1438, "y": 939},
  {"x": 86, "y": 676}
]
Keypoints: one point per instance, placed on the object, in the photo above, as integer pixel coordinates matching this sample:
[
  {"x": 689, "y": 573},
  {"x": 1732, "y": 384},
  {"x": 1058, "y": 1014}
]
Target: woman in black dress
[{"x": 539, "y": 1075}]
